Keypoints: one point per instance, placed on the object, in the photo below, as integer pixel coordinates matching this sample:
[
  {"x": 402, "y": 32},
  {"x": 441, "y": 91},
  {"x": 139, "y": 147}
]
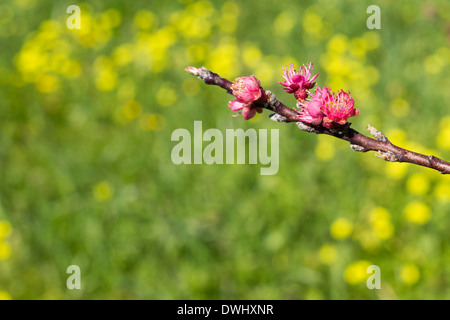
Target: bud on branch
[{"x": 321, "y": 112}]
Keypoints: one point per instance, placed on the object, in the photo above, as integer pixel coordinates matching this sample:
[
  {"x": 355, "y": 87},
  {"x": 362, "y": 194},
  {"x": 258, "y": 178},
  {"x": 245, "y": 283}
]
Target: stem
[{"x": 358, "y": 142}]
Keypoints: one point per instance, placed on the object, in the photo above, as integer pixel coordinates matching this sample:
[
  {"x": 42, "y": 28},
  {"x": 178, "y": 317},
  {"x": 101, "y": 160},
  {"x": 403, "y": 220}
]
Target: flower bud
[
  {"x": 298, "y": 82},
  {"x": 247, "y": 90}
]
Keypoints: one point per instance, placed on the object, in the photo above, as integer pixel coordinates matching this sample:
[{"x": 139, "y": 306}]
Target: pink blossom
[
  {"x": 326, "y": 108},
  {"x": 339, "y": 109},
  {"x": 247, "y": 90},
  {"x": 248, "y": 110},
  {"x": 311, "y": 111},
  {"x": 298, "y": 82}
]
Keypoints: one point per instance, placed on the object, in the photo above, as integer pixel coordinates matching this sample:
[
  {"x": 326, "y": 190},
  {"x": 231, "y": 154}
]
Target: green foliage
[{"x": 87, "y": 179}]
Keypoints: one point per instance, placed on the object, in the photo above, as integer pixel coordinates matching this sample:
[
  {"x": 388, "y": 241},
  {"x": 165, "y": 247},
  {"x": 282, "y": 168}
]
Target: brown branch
[{"x": 358, "y": 142}]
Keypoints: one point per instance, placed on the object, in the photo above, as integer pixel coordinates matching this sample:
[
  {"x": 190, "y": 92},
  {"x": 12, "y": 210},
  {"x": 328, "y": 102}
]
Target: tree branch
[{"x": 358, "y": 142}]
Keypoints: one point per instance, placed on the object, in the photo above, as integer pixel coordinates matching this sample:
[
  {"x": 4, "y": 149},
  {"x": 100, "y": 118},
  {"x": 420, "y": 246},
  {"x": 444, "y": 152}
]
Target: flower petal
[
  {"x": 235, "y": 105},
  {"x": 248, "y": 112}
]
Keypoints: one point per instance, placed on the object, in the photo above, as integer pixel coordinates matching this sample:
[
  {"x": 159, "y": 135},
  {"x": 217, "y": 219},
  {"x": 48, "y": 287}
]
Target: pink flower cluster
[
  {"x": 321, "y": 108},
  {"x": 247, "y": 90},
  {"x": 327, "y": 108},
  {"x": 298, "y": 82}
]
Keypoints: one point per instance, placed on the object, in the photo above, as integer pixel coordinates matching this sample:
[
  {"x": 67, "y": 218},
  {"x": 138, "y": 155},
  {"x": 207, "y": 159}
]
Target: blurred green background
[{"x": 86, "y": 177}]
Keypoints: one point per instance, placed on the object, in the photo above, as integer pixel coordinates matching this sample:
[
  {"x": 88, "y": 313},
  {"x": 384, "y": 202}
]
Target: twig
[{"x": 358, "y": 142}]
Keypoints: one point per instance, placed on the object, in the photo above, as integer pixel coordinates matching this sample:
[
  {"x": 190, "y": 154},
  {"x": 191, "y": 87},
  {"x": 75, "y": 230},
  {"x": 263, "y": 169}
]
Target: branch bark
[{"x": 358, "y": 142}]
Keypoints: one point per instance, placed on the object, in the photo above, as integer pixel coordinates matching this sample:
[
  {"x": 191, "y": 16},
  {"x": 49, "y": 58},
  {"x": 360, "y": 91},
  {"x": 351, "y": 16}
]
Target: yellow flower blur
[
  {"x": 417, "y": 212},
  {"x": 325, "y": 148},
  {"x": 328, "y": 254},
  {"x": 381, "y": 223},
  {"x": 5, "y": 295},
  {"x": 442, "y": 191},
  {"x": 152, "y": 122},
  {"x": 5, "y": 229},
  {"x": 418, "y": 184},
  {"x": 356, "y": 272},
  {"x": 132, "y": 110},
  {"x": 341, "y": 228},
  {"x": 5, "y": 250},
  {"x": 410, "y": 274},
  {"x": 103, "y": 191}
]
